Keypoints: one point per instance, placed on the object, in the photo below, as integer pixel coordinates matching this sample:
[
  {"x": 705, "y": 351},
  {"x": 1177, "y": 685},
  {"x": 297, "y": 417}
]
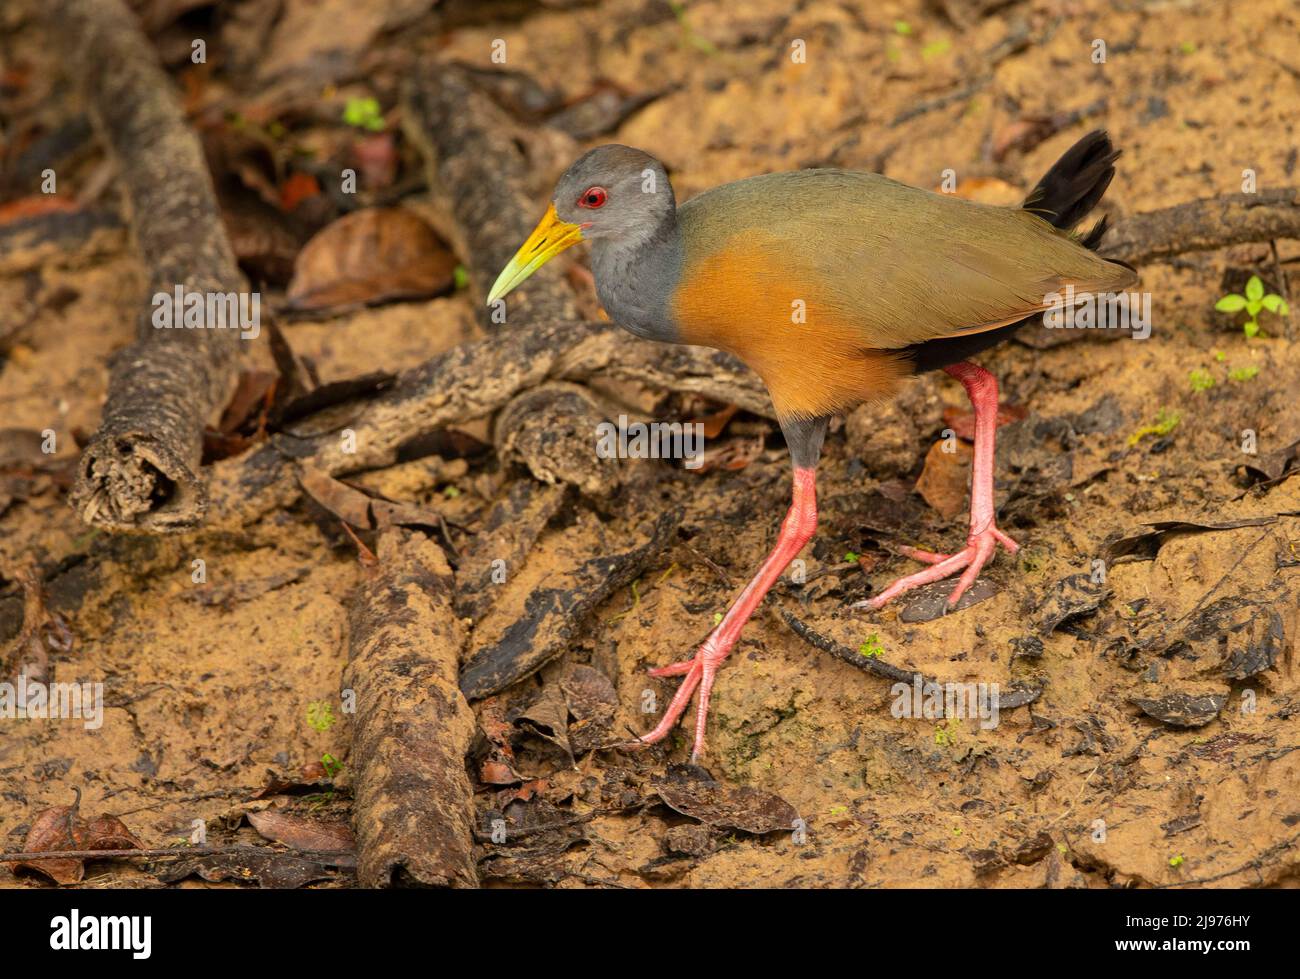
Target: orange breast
[{"x": 747, "y": 299}]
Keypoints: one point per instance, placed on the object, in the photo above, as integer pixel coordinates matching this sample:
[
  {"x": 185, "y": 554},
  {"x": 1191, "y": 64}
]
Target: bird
[{"x": 834, "y": 286}]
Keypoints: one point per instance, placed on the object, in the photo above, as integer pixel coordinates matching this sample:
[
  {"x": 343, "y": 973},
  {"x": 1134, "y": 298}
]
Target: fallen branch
[
  {"x": 413, "y": 812},
  {"x": 1203, "y": 225},
  {"x": 140, "y": 471},
  {"x": 468, "y": 382},
  {"x": 476, "y": 167},
  {"x": 556, "y": 610},
  {"x": 1019, "y": 692},
  {"x": 507, "y": 534},
  {"x": 552, "y": 430}
]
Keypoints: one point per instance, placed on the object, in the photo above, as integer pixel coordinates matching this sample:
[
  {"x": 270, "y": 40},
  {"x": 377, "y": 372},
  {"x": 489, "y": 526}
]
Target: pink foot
[
  {"x": 700, "y": 671},
  {"x": 796, "y": 530},
  {"x": 979, "y": 548},
  {"x": 984, "y": 536}
]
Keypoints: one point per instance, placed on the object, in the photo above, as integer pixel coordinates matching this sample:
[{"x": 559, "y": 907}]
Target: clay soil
[{"x": 212, "y": 690}]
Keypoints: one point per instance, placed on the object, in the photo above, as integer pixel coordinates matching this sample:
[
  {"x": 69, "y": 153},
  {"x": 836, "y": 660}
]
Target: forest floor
[{"x": 1123, "y": 628}]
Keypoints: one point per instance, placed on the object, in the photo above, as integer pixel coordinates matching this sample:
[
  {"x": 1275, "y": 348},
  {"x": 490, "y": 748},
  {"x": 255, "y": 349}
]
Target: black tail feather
[
  {"x": 1076, "y": 182},
  {"x": 1068, "y": 191}
]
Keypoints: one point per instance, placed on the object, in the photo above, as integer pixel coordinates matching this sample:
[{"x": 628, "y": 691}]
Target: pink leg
[
  {"x": 796, "y": 530},
  {"x": 982, "y": 388}
]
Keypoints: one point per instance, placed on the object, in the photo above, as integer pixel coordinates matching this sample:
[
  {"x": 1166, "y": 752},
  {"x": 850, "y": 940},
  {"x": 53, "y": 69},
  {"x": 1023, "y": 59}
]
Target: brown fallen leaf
[
  {"x": 303, "y": 834},
  {"x": 1182, "y": 709},
  {"x": 945, "y": 478},
  {"x": 370, "y": 256},
  {"x": 313, "y": 778},
  {"x": 692, "y": 791},
  {"x": 360, "y": 510},
  {"x": 62, "y": 828},
  {"x": 592, "y": 702}
]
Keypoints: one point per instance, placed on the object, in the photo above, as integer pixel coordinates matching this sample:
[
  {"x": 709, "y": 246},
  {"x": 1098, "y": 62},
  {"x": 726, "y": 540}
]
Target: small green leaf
[
  {"x": 1283, "y": 309},
  {"x": 936, "y": 48},
  {"x": 1251, "y": 328},
  {"x": 850, "y": 556},
  {"x": 1243, "y": 373},
  {"x": 1254, "y": 289},
  {"x": 1253, "y": 306},
  {"x": 460, "y": 276},
  {"x": 871, "y": 647},
  {"x": 1231, "y": 303},
  {"x": 902, "y": 27},
  {"x": 1200, "y": 379}
]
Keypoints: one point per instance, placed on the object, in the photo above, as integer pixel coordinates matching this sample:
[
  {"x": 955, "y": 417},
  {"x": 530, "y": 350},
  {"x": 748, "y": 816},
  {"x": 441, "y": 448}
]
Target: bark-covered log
[
  {"x": 508, "y": 532},
  {"x": 476, "y": 166},
  {"x": 141, "y": 470},
  {"x": 414, "y": 813},
  {"x": 555, "y": 611},
  {"x": 1198, "y": 226},
  {"x": 467, "y": 382},
  {"x": 553, "y": 429}
]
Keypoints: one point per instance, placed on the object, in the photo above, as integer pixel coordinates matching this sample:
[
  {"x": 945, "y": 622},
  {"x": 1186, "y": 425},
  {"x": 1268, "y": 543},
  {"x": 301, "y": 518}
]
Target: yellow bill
[{"x": 548, "y": 239}]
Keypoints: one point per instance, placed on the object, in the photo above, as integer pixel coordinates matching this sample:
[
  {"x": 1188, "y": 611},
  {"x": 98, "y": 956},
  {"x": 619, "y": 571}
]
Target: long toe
[{"x": 979, "y": 548}]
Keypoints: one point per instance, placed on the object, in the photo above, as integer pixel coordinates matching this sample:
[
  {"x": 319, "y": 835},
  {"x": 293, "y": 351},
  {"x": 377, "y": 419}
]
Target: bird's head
[{"x": 615, "y": 193}]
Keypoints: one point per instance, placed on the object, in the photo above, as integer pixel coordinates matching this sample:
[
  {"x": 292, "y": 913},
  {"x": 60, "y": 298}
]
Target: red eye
[{"x": 593, "y": 197}]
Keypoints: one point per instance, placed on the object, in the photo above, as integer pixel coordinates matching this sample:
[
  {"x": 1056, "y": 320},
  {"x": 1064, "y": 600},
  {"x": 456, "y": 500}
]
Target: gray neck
[{"x": 635, "y": 279}]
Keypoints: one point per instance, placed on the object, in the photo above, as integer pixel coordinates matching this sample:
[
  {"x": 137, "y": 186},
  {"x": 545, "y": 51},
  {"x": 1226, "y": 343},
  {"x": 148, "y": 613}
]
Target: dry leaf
[
  {"x": 370, "y": 256},
  {"x": 62, "y": 828},
  {"x": 301, "y": 833},
  {"x": 945, "y": 477}
]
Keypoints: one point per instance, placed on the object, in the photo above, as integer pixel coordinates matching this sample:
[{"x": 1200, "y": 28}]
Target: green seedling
[
  {"x": 1253, "y": 302},
  {"x": 1243, "y": 373},
  {"x": 871, "y": 647},
  {"x": 1176, "y": 861},
  {"x": 1166, "y": 421},
  {"x": 902, "y": 27},
  {"x": 851, "y": 557},
  {"x": 1201, "y": 380},
  {"x": 320, "y": 715},
  {"x": 451, "y": 492},
  {"x": 460, "y": 277},
  {"x": 936, "y": 48},
  {"x": 364, "y": 114},
  {"x": 331, "y": 764},
  {"x": 717, "y": 619},
  {"x": 945, "y": 735}
]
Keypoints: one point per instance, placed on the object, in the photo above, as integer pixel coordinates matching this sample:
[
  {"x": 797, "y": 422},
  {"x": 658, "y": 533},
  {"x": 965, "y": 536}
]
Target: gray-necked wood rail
[{"x": 833, "y": 286}]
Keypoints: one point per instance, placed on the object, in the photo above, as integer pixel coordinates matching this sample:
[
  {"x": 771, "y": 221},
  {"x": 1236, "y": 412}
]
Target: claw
[{"x": 979, "y": 548}]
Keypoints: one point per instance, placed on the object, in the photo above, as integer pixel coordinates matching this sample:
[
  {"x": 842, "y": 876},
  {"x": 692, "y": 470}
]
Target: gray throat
[{"x": 636, "y": 279}]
